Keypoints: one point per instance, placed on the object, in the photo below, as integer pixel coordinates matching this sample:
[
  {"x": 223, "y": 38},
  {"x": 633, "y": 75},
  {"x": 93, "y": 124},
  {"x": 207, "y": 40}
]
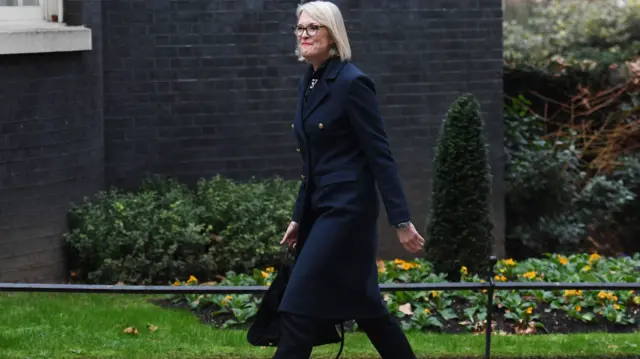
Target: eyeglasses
[{"x": 311, "y": 30}]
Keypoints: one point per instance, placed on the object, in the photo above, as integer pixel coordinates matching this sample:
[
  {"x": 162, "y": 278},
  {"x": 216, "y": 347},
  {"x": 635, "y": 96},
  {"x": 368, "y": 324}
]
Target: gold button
[
  {"x": 297, "y": 149},
  {"x": 292, "y": 125},
  {"x": 320, "y": 126}
]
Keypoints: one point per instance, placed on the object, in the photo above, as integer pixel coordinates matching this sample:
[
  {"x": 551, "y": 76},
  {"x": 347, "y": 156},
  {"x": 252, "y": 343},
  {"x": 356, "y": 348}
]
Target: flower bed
[{"x": 519, "y": 312}]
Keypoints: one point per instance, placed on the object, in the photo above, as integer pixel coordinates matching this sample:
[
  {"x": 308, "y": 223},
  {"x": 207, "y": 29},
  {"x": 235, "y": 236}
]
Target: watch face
[{"x": 402, "y": 225}]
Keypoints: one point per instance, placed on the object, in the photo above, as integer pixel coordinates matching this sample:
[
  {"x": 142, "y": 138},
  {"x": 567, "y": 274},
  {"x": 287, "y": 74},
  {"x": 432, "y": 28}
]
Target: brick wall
[
  {"x": 51, "y": 150},
  {"x": 195, "y": 88}
]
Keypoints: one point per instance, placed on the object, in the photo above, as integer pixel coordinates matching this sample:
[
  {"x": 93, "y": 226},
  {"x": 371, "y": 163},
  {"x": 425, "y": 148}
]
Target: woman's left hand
[{"x": 410, "y": 239}]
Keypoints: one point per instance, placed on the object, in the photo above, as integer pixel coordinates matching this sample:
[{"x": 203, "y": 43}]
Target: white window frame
[
  {"x": 40, "y": 29},
  {"x": 47, "y": 11}
]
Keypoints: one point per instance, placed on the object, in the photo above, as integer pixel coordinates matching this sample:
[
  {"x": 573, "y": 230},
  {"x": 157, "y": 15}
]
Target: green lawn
[{"x": 56, "y": 326}]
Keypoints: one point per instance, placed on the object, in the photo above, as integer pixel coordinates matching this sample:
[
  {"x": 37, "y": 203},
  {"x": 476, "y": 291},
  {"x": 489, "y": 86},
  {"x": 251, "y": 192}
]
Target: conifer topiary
[{"x": 459, "y": 226}]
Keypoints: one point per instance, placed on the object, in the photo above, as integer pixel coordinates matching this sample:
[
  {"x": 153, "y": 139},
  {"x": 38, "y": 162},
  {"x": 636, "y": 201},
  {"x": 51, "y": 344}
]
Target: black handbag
[{"x": 265, "y": 330}]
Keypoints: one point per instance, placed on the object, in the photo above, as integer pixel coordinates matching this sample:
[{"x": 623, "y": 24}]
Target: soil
[{"x": 554, "y": 322}]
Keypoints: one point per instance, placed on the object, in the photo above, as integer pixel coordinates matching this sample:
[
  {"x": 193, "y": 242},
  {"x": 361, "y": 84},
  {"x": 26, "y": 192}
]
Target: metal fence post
[{"x": 487, "y": 330}]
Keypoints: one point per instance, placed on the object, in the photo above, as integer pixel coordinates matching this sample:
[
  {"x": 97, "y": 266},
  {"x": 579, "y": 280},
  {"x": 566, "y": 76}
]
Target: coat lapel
[
  {"x": 321, "y": 89},
  {"x": 297, "y": 121}
]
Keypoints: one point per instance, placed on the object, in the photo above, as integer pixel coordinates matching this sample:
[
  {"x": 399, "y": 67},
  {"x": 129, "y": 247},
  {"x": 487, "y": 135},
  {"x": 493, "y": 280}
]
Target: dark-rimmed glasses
[{"x": 311, "y": 30}]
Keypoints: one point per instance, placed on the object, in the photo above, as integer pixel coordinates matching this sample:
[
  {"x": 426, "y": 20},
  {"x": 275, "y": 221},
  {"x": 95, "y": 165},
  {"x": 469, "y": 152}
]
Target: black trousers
[{"x": 384, "y": 332}]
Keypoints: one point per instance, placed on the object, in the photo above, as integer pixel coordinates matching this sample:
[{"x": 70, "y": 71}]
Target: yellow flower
[
  {"x": 464, "y": 270},
  {"x": 264, "y": 274},
  {"x": 268, "y": 284},
  {"x": 427, "y": 311},
  {"x": 586, "y": 268},
  {"x": 434, "y": 293},
  {"x": 270, "y": 270},
  {"x": 594, "y": 257},
  {"x": 563, "y": 260},
  {"x": 530, "y": 310},
  {"x": 509, "y": 262},
  {"x": 176, "y": 283},
  {"x": 530, "y": 275},
  {"x": 192, "y": 279},
  {"x": 616, "y": 306},
  {"x": 578, "y": 308},
  {"x": 608, "y": 296},
  {"x": 500, "y": 278},
  {"x": 572, "y": 292}
]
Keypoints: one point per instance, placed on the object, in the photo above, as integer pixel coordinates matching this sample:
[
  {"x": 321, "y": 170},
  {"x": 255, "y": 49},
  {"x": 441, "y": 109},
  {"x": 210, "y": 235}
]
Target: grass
[{"x": 81, "y": 326}]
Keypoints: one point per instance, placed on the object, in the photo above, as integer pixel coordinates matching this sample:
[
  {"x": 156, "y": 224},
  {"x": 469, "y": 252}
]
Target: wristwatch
[{"x": 403, "y": 225}]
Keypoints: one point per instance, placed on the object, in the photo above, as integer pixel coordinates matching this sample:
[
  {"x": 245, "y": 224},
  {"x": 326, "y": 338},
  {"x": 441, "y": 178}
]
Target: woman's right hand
[{"x": 291, "y": 236}]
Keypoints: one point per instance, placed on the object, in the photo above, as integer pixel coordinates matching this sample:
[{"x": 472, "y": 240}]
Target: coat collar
[{"x": 321, "y": 88}]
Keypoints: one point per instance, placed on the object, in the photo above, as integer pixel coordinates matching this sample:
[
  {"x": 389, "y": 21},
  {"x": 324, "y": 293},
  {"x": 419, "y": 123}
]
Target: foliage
[
  {"x": 568, "y": 181},
  {"x": 166, "y": 230},
  {"x": 248, "y": 219},
  {"x": 459, "y": 225},
  {"x": 139, "y": 238},
  {"x": 573, "y": 169},
  {"x": 590, "y": 35},
  {"x": 436, "y": 310}
]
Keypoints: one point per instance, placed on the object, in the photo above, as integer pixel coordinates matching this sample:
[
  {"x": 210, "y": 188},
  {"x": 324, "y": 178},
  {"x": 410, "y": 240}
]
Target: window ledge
[{"x": 42, "y": 37}]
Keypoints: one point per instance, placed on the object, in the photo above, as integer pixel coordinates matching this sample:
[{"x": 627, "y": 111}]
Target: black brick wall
[
  {"x": 199, "y": 87},
  {"x": 51, "y": 149}
]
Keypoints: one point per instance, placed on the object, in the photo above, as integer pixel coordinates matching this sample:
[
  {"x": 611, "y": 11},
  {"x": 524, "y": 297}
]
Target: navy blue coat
[{"x": 345, "y": 154}]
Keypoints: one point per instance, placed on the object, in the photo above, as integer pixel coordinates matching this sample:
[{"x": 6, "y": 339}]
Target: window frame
[{"x": 47, "y": 11}]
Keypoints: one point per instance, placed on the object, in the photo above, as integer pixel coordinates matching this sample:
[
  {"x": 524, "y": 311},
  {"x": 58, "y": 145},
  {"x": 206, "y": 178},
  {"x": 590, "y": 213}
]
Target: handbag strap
[{"x": 288, "y": 255}]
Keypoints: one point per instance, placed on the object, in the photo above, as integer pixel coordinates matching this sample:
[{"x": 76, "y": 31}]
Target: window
[
  {"x": 36, "y": 26},
  {"x": 30, "y": 10}
]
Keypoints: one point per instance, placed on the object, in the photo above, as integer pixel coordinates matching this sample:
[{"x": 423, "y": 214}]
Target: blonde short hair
[{"x": 329, "y": 15}]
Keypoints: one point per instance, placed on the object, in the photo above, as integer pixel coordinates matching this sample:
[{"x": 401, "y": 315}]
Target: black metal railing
[{"x": 490, "y": 285}]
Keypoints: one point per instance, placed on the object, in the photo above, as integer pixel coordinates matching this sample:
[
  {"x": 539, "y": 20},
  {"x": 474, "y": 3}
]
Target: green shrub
[
  {"x": 459, "y": 225},
  {"x": 553, "y": 199},
  {"x": 146, "y": 237},
  {"x": 592, "y": 34},
  {"x": 166, "y": 231},
  {"x": 247, "y": 219}
]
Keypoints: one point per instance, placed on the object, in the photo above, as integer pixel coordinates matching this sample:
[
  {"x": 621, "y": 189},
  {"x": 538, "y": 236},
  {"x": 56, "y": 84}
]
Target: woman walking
[{"x": 345, "y": 154}]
